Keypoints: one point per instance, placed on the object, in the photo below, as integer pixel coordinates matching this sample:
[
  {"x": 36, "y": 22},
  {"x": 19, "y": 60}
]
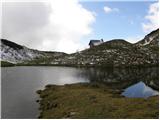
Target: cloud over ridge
[{"x": 53, "y": 25}]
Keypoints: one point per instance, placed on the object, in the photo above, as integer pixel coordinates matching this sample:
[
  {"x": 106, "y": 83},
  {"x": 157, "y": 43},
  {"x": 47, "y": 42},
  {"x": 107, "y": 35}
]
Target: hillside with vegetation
[{"x": 113, "y": 53}]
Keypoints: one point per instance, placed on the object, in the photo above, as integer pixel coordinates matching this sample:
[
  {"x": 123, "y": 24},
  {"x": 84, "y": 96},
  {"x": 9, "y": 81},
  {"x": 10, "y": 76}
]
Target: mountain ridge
[
  {"x": 113, "y": 53},
  {"x": 15, "y": 53}
]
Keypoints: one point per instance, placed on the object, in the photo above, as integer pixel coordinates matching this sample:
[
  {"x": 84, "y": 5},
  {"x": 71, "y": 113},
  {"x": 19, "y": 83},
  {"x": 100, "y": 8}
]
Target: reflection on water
[
  {"x": 139, "y": 89},
  {"x": 123, "y": 78},
  {"x": 19, "y": 84}
]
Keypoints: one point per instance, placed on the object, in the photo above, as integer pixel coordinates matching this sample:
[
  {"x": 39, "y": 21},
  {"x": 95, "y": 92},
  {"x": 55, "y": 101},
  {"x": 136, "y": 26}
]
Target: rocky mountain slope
[
  {"x": 113, "y": 53},
  {"x": 14, "y": 53},
  {"x": 151, "y": 39}
]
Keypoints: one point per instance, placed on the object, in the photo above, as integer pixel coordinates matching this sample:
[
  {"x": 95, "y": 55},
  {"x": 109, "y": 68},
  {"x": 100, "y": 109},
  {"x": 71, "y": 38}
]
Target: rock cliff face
[{"x": 113, "y": 53}]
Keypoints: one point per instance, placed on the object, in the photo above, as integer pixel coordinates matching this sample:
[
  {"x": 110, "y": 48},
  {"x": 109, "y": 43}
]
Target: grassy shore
[
  {"x": 93, "y": 101},
  {"x": 6, "y": 64}
]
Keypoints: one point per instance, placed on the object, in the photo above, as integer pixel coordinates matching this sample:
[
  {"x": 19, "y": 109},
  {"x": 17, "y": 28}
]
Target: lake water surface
[{"x": 19, "y": 84}]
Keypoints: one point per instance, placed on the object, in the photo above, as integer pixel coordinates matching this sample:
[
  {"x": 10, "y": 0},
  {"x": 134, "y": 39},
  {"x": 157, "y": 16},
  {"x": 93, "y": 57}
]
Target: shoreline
[
  {"x": 85, "y": 100},
  {"x": 81, "y": 66}
]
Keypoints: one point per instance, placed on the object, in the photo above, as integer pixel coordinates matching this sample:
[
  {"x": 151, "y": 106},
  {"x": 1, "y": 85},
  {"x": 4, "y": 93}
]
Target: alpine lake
[{"x": 21, "y": 83}]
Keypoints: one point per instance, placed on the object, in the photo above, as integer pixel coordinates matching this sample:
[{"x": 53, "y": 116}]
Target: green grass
[
  {"x": 6, "y": 64},
  {"x": 93, "y": 101}
]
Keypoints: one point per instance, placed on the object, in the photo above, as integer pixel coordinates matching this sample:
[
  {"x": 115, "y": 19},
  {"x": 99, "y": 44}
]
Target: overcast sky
[{"x": 58, "y": 25}]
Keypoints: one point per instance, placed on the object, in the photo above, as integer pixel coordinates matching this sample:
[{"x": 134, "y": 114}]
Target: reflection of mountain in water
[
  {"x": 139, "y": 90},
  {"x": 122, "y": 78}
]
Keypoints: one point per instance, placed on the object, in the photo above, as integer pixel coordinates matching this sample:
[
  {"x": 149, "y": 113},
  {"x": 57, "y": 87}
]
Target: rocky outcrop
[{"x": 151, "y": 39}]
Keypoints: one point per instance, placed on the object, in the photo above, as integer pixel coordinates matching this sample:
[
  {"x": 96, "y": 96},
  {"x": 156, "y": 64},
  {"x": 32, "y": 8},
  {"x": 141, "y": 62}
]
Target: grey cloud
[{"x": 23, "y": 22}]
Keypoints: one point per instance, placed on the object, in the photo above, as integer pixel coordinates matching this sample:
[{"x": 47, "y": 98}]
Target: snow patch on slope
[{"x": 13, "y": 55}]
